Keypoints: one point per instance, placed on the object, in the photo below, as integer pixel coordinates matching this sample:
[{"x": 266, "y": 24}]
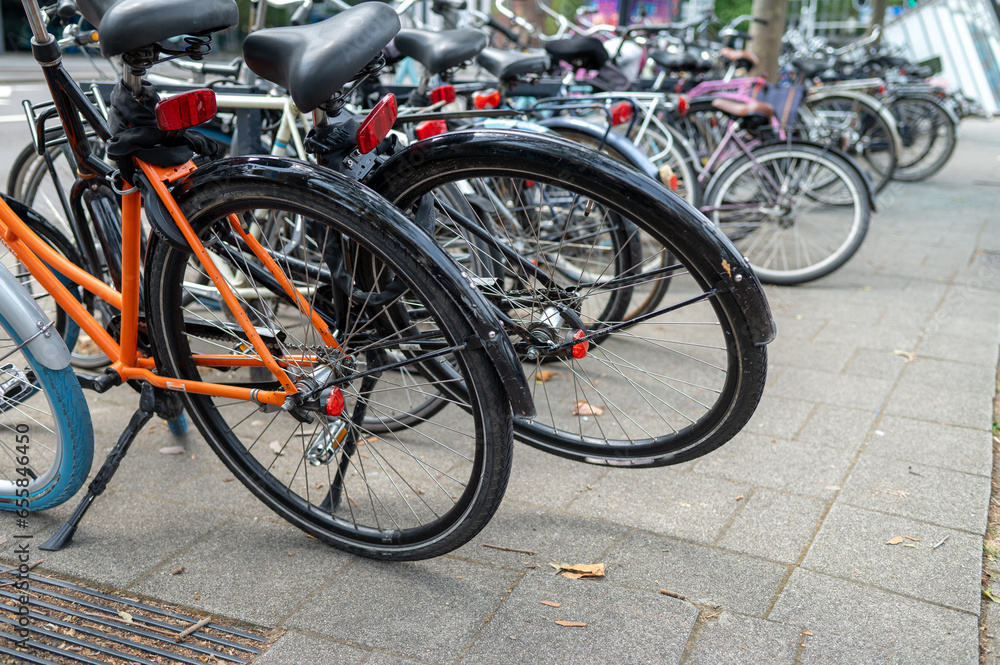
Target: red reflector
[
  {"x": 429, "y": 128},
  {"x": 186, "y": 110},
  {"x": 621, "y": 113},
  {"x": 682, "y": 106},
  {"x": 487, "y": 100},
  {"x": 376, "y": 126},
  {"x": 445, "y": 93},
  {"x": 335, "y": 403},
  {"x": 580, "y": 350}
]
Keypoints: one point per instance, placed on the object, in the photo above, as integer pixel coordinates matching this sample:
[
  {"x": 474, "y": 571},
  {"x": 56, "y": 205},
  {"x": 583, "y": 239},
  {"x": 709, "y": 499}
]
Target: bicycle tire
[
  {"x": 928, "y": 137},
  {"x": 56, "y": 422},
  {"x": 626, "y": 370},
  {"x": 416, "y": 493},
  {"x": 757, "y": 201},
  {"x": 30, "y": 182}
]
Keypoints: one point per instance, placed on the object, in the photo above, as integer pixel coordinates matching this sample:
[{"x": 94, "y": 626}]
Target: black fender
[
  {"x": 671, "y": 219},
  {"x": 383, "y": 215}
]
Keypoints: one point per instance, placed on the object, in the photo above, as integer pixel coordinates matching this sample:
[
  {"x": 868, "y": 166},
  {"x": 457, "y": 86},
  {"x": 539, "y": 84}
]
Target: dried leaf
[
  {"x": 569, "y": 575},
  {"x": 989, "y": 594},
  {"x": 550, "y": 603},
  {"x": 582, "y": 569},
  {"x": 727, "y": 267},
  {"x": 916, "y": 547},
  {"x": 275, "y": 446},
  {"x": 546, "y": 375},
  {"x": 177, "y": 571},
  {"x": 806, "y": 632},
  {"x": 585, "y": 408},
  {"x": 910, "y": 357},
  {"x": 894, "y": 541},
  {"x": 571, "y": 624},
  {"x": 916, "y": 540},
  {"x": 126, "y": 617},
  {"x": 172, "y": 450},
  {"x": 673, "y": 594}
]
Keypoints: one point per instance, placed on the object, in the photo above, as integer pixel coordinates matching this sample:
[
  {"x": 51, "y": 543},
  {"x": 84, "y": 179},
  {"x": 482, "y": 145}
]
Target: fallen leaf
[
  {"x": 673, "y": 594},
  {"x": 177, "y": 571},
  {"x": 585, "y": 408},
  {"x": 197, "y": 596},
  {"x": 582, "y": 569},
  {"x": 910, "y": 357},
  {"x": 126, "y": 617},
  {"x": 275, "y": 446},
  {"x": 989, "y": 594},
  {"x": 546, "y": 375},
  {"x": 727, "y": 267},
  {"x": 916, "y": 547},
  {"x": 739, "y": 498},
  {"x": 256, "y": 423},
  {"x": 571, "y": 624},
  {"x": 172, "y": 450},
  {"x": 228, "y": 480},
  {"x": 550, "y": 603},
  {"x": 571, "y": 576},
  {"x": 806, "y": 632},
  {"x": 894, "y": 541},
  {"x": 916, "y": 540}
]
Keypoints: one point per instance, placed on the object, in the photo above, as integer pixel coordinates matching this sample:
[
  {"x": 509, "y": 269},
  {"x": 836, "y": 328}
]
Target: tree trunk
[{"x": 766, "y": 39}]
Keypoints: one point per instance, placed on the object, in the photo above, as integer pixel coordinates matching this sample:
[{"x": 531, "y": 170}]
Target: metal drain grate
[{"x": 66, "y": 623}]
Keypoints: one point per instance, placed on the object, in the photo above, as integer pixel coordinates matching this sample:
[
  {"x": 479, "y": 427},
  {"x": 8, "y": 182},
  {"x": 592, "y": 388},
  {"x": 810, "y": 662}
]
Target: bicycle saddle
[
  {"x": 754, "y": 114},
  {"x": 440, "y": 51},
  {"x": 733, "y": 55},
  {"x": 811, "y": 67},
  {"x": 314, "y": 61},
  {"x": 684, "y": 61},
  {"x": 126, "y": 25},
  {"x": 581, "y": 51},
  {"x": 511, "y": 64}
]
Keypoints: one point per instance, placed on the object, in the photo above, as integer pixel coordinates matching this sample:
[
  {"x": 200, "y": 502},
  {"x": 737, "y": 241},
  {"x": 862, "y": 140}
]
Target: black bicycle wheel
[
  {"x": 796, "y": 211},
  {"x": 857, "y": 128},
  {"x": 404, "y": 494},
  {"x": 927, "y": 136},
  {"x": 648, "y": 391}
]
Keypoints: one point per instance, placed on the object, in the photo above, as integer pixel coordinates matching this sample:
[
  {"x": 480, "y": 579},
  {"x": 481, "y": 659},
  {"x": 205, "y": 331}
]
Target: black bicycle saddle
[
  {"x": 314, "y": 61},
  {"x": 440, "y": 51},
  {"x": 582, "y": 51},
  {"x": 126, "y": 25},
  {"x": 512, "y": 64}
]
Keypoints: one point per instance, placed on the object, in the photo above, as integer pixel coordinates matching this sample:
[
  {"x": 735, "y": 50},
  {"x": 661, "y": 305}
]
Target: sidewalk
[{"x": 875, "y": 425}]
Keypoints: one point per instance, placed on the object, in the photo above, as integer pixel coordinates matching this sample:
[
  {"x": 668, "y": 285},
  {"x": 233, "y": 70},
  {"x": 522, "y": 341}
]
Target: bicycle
[{"x": 297, "y": 347}]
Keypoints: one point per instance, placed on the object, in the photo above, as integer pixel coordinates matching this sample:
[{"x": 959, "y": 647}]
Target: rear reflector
[
  {"x": 376, "y": 126},
  {"x": 682, "y": 105},
  {"x": 186, "y": 110},
  {"x": 429, "y": 128},
  {"x": 487, "y": 100},
  {"x": 445, "y": 93},
  {"x": 621, "y": 113}
]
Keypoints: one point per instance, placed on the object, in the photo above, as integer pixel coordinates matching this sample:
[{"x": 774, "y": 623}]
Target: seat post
[{"x": 39, "y": 33}]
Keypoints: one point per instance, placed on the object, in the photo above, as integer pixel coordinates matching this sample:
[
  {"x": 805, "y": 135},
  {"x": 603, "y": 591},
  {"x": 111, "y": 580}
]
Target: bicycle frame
[{"x": 71, "y": 103}]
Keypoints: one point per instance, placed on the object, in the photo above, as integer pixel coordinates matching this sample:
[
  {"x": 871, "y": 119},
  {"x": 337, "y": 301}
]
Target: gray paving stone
[
  {"x": 671, "y": 503},
  {"x": 285, "y": 566},
  {"x": 872, "y": 337},
  {"x": 295, "y": 648},
  {"x": 735, "y": 639},
  {"x": 940, "y": 496},
  {"x": 707, "y": 576},
  {"x": 948, "y": 376},
  {"x": 964, "y": 408},
  {"x": 779, "y": 416},
  {"x": 623, "y": 625},
  {"x": 386, "y": 659},
  {"x": 551, "y": 535},
  {"x": 218, "y": 490},
  {"x": 851, "y": 545},
  {"x": 957, "y": 326},
  {"x": 809, "y": 355},
  {"x": 549, "y": 481},
  {"x": 774, "y": 525},
  {"x": 798, "y": 327},
  {"x": 428, "y": 610},
  {"x": 125, "y": 535},
  {"x": 837, "y": 389},
  {"x": 958, "y": 448},
  {"x": 837, "y": 427},
  {"x": 853, "y": 623},
  {"x": 875, "y": 363},
  {"x": 975, "y": 351},
  {"x": 791, "y": 466}
]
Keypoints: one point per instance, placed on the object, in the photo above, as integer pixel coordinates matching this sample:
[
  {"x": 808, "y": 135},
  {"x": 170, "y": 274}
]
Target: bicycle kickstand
[{"x": 147, "y": 406}]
